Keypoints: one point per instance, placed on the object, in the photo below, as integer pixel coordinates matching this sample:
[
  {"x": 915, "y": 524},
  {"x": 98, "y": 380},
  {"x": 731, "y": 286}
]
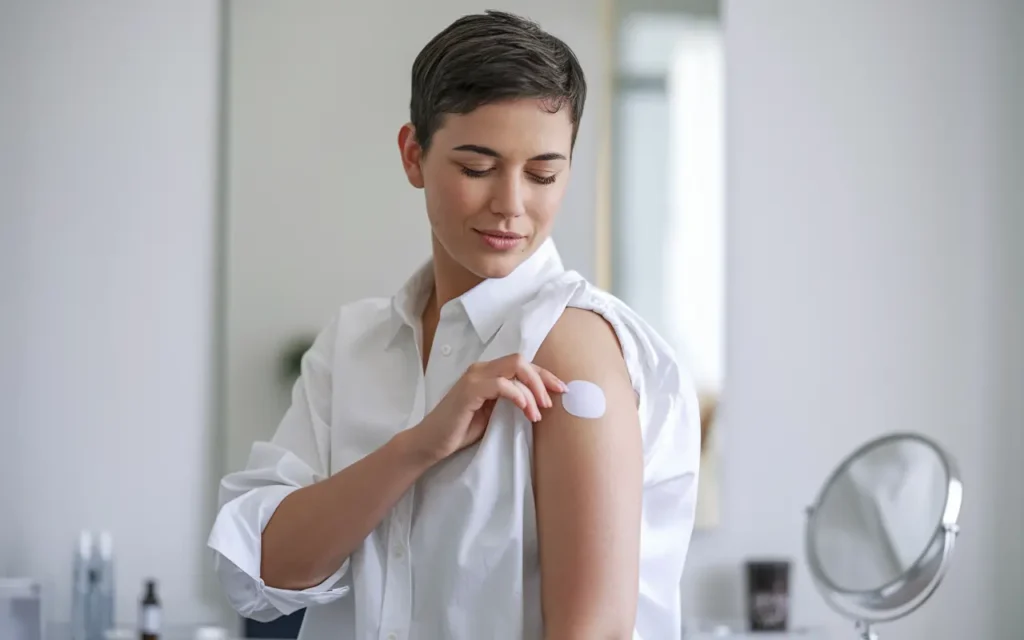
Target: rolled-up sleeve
[{"x": 297, "y": 456}]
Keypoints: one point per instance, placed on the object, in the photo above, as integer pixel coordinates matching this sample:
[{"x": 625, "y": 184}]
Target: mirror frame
[{"x": 903, "y": 595}]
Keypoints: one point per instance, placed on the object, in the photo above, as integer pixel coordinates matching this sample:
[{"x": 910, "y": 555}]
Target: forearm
[{"x": 317, "y": 527}]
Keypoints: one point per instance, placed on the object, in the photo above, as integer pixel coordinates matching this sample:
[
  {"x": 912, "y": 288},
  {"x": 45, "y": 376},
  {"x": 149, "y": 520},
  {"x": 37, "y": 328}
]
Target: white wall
[
  {"x": 108, "y": 154},
  {"x": 867, "y": 199},
  {"x": 320, "y": 212}
]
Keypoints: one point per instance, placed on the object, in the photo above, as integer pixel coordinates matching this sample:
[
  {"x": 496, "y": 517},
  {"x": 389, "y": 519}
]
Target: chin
[{"x": 495, "y": 266}]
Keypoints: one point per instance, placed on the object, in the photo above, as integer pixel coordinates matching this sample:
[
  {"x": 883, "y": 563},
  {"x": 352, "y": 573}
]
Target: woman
[{"x": 433, "y": 479}]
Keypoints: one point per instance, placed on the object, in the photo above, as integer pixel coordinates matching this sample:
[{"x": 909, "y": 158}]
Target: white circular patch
[{"x": 584, "y": 399}]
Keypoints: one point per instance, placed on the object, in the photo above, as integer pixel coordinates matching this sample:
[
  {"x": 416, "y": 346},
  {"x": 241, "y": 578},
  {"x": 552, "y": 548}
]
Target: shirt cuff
[{"x": 236, "y": 539}]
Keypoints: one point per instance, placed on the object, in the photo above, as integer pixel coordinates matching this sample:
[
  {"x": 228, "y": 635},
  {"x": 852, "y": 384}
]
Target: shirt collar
[{"x": 487, "y": 304}]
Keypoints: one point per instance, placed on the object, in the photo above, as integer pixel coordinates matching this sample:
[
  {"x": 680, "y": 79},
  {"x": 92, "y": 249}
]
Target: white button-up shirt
[{"x": 456, "y": 558}]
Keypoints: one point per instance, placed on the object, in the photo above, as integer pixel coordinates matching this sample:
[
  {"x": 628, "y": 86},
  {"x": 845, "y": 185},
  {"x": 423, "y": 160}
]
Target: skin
[{"x": 502, "y": 168}]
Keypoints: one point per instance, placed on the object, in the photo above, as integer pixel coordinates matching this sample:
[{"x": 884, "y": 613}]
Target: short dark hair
[{"x": 490, "y": 57}]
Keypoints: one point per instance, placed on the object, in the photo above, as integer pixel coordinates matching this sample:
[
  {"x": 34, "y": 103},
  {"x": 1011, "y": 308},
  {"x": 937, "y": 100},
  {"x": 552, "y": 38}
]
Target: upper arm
[{"x": 588, "y": 486}]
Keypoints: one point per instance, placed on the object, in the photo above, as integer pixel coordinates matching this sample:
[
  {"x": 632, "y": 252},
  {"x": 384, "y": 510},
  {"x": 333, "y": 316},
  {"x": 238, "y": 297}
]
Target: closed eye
[
  {"x": 473, "y": 173},
  {"x": 480, "y": 173}
]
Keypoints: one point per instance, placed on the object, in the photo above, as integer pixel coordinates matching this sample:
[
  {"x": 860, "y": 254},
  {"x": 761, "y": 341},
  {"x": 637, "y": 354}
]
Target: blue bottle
[
  {"x": 101, "y": 611},
  {"x": 80, "y": 587}
]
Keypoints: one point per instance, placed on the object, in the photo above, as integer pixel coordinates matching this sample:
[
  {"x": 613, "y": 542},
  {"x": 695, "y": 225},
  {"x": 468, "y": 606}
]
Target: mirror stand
[{"x": 866, "y": 631}]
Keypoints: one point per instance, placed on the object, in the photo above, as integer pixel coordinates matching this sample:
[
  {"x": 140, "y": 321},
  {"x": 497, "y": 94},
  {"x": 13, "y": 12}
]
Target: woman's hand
[{"x": 462, "y": 415}]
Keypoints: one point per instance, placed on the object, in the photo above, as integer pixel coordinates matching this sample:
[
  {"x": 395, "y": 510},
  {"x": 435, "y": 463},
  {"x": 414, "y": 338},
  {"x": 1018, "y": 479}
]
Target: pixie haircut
[{"x": 490, "y": 57}]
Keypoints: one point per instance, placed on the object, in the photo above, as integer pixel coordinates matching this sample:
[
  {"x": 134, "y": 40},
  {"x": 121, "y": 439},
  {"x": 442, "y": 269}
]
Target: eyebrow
[{"x": 486, "y": 151}]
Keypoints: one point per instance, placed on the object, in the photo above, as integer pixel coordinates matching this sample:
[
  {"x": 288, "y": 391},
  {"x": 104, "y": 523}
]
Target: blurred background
[{"x": 817, "y": 202}]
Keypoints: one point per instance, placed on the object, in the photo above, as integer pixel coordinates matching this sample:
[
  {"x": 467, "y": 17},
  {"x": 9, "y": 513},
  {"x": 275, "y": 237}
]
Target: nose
[{"x": 507, "y": 198}]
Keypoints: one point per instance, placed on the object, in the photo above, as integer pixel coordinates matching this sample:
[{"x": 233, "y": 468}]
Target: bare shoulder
[{"x": 583, "y": 344}]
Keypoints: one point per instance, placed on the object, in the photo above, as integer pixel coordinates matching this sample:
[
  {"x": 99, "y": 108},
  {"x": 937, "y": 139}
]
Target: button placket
[
  {"x": 440, "y": 370},
  {"x": 397, "y": 609}
]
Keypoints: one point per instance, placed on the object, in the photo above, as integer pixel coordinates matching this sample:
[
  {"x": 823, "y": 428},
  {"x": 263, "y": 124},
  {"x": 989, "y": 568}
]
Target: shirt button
[
  {"x": 398, "y": 553},
  {"x": 392, "y": 636},
  {"x": 446, "y": 350}
]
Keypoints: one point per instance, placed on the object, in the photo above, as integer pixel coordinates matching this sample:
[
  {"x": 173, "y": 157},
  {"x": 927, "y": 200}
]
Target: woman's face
[{"x": 493, "y": 179}]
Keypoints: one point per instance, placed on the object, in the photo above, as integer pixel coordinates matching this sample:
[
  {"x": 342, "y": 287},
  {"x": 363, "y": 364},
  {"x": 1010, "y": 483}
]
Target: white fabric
[{"x": 457, "y": 556}]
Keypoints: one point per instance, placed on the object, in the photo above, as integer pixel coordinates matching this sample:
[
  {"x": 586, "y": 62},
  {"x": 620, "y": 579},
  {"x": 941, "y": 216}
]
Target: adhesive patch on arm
[{"x": 583, "y": 399}]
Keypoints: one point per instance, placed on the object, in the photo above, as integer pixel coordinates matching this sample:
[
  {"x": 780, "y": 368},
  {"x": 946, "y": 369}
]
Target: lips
[
  {"x": 501, "y": 240},
  {"x": 500, "y": 234}
]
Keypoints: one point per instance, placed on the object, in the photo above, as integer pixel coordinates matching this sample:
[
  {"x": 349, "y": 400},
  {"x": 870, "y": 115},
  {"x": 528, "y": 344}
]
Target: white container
[{"x": 21, "y": 609}]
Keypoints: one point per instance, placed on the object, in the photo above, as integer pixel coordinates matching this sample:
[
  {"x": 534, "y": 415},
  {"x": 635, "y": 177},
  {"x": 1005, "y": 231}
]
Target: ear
[{"x": 412, "y": 155}]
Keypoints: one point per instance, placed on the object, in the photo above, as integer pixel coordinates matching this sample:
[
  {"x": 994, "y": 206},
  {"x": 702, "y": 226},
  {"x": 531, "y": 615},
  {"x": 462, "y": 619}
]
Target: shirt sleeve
[
  {"x": 670, "y": 418},
  {"x": 297, "y": 456},
  {"x": 670, "y": 496}
]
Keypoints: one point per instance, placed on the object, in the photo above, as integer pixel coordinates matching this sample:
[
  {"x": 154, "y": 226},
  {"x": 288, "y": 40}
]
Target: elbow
[
  {"x": 271, "y": 571},
  {"x": 280, "y": 571}
]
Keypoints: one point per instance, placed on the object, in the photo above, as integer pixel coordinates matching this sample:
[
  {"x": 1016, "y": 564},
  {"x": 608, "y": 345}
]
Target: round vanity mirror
[{"x": 881, "y": 532}]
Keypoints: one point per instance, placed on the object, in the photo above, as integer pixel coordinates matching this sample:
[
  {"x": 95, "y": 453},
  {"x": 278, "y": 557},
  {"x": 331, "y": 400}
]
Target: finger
[
  {"x": 551, "y": 381},
  {"x": 529, "y": 376},
  {"x": 508, "y": 366},
  {"x": 505, "y": 388},
  {"x": 533, "y": 411}
]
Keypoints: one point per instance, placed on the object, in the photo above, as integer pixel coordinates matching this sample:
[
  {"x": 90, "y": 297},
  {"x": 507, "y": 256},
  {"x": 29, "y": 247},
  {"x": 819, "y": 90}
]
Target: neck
[{"x": 451, "y": 279}]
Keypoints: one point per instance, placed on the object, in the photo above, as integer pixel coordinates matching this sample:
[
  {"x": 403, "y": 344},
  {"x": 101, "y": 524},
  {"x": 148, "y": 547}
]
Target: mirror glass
[
  {"x": 879, "y": 514},
  {"x": 667, "y": 224}
]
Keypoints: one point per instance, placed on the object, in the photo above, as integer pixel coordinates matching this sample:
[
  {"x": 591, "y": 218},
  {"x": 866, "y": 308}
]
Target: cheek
[
  {"x": 546, "y": 203},
  {"x": 455, "y": 196}
]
